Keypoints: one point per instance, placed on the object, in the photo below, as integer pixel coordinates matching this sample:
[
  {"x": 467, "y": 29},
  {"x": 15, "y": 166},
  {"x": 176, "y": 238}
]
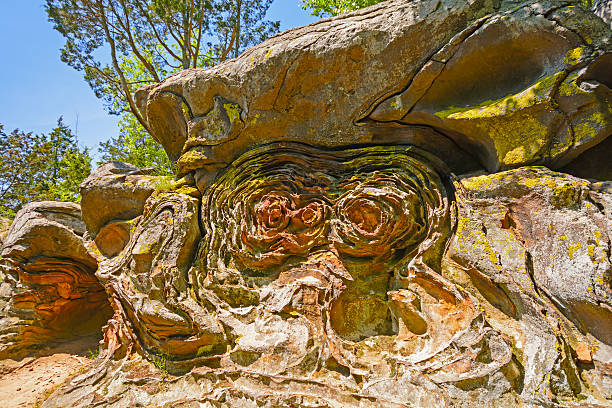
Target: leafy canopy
[
  {"x": 19, "y": 164},
  {"x": 134, "y": 145},
  {"x": 40, "y": 167},
  {"x": 326, "y": 8},
  {"x": 123, "y": 45}
]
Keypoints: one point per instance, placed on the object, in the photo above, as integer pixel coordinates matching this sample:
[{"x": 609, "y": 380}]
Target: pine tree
[
  {"x": 20, "y": 164},
  {"x": 40, "y": 167}
]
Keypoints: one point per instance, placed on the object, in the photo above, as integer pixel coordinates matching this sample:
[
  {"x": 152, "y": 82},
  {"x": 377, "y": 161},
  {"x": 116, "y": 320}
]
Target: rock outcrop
[
  {"x": 535, "y": 246},
  {"x": 404, "y": 206},
  {"x": 115, "y": 191},
  {"x": 510, "y": 83},
  {"x": 48, "y": 291}
]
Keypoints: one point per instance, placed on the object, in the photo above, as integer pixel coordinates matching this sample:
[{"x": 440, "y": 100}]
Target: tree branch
[
  {"x": 197, "y": 47},
  {"x": 124, "y": 84},
  {"x": 130, "y": 39},
  {"x": 227, "y": 50},
  {"x": 155, "y": 32}
]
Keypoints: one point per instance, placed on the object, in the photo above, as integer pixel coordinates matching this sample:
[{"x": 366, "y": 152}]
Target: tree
[
  {"x": 65, "y": 167},
  {"x": 19, "y": 165},
  {"x": 325, "y": 8},
  {"x": 147, "y": 40},
  {"x": 157, "y": 35},
  {"x": 240, "y": 24},
  {"x": 40, "y": 167}
]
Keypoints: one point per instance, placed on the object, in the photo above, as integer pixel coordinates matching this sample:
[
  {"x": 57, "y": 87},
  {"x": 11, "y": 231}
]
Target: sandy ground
[{"x": 28, "y": 382}]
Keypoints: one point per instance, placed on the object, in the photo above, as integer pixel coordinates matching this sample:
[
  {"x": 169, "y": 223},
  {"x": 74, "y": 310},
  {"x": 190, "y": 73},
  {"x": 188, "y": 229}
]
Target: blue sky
[{"x": 37, "y": 87}]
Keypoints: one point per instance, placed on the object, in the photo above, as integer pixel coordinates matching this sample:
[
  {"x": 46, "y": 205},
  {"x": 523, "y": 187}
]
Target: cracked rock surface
[
  {"x": 535, "y": 246},
  {"x": 511, "y": 83},
  {"x": 405, "y": 206}
]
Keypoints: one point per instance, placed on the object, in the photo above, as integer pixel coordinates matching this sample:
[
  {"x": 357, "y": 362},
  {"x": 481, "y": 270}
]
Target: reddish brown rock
[
  {"x": 48, "y": 290},
  {"x": 583, "y": 353},
  {"x": 330, "y": 256}
]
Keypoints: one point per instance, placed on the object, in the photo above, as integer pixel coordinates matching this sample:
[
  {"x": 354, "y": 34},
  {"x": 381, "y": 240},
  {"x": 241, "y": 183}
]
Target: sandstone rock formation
[
  {"x": 48, "y": 291},
  {"x": 114, "y": 191},
  {"x": 535, "y": 245},
  {"x": 5, "y": 225},
  {"x": 408, "y": 205}
]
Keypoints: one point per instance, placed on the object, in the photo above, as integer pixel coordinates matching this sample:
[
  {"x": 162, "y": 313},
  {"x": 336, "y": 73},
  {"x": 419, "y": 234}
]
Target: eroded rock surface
[
  {"x": 114, "y": 191},
  {"x": 535, "y": 246},
  {"x": 48, "y": 290},
  {"x": 356, "y": 226},
  {"x": 512, "y": 83}
]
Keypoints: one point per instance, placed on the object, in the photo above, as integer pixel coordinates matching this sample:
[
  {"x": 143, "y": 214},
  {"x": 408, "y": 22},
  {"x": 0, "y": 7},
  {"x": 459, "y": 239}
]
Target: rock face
[
  {"x": 511, "y": 83},
  {"x": 365, "y": 219},
  {"x": 114, "y": 191},
  {"x": 535, "y": 246},
  {"x": 48, "y": 291}
]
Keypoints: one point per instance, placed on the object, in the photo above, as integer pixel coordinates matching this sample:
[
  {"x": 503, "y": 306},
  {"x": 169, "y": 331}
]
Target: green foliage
[
  {"x": 92, "y": 354},
  {"x": 134, "y": 145},
  {"x": 159, "y": 35},
  {"x": 124, "y": 45},
  {"x": 40, "y": 167},
  {"x": 239, "y": 24},
  {"x": 67, "y": 166},
  {"x": 19, "y": 165},
  {"x": 326, "y": 8}
]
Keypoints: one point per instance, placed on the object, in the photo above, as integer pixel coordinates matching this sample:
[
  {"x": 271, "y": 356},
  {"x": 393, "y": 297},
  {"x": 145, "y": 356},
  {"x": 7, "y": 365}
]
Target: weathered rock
[
  {"x": 154, "y": 265},
  {"x": 485, "y": 316},
  {"x": 603, "y": 9},
  {"x": 512, "y": 85},
  {"x": 535, "y": 245},
  {"x": 48, "y": 288},
  {"x": 5, "y": 224},
  {"x": 329, "y": 256},
  {"x": 536, "y": 101},
  {"x": 311, "y": 262},
  {"x": 114, "y": 191}
]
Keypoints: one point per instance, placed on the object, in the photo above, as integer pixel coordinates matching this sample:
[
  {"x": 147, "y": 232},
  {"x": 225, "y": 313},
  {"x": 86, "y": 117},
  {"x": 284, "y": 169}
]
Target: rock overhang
[{"x": 485, "y": 85}]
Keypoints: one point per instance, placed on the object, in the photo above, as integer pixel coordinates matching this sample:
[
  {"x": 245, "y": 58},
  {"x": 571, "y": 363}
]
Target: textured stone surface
[
  {"x": 603, "y": 9},
  {"x": 48, "y": 291},
  {"x": 5, "y": 224},
  {"x": 320, "y": 249},
  {"x": 504, "y": 299},
  {"x": 535, "y": 245},
  {"x": 114, "y": 191},
  {"x": 518, "y": 87},
  {"x": 511, "y": 83}
]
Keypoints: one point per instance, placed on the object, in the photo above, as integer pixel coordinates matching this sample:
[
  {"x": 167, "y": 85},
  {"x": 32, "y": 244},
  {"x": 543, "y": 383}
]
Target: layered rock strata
[
  {"x": 364, "y": 219},
  {"x": 48, "y": 291}
]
